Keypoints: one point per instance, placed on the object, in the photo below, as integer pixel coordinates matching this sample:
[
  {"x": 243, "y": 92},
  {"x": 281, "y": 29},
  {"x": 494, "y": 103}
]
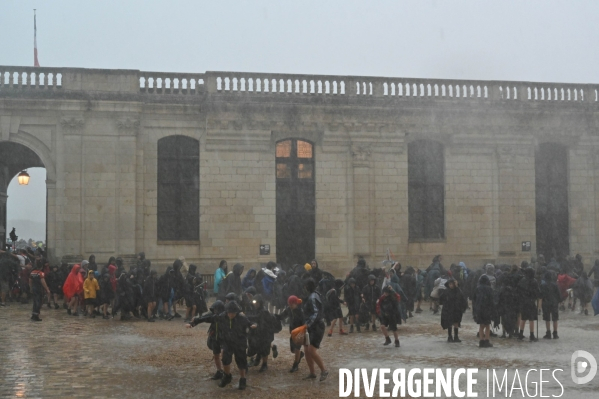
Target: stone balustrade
[
  {"x": 30, "y": 78},
  {"x": 244, "y": 83},
  {"x": 171, "y": 83}
]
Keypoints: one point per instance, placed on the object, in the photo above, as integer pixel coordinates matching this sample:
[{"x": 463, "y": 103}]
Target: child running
[{"x": 294, "y": 313}]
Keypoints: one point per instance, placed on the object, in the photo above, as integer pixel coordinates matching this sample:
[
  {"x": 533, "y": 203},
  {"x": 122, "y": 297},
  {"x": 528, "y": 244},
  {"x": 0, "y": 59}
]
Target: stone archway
[{"x": 14, "y": 157}]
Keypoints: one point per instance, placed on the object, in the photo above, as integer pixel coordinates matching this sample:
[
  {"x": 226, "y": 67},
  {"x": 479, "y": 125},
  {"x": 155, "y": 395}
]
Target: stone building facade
[{"x": 98, "y": 133}]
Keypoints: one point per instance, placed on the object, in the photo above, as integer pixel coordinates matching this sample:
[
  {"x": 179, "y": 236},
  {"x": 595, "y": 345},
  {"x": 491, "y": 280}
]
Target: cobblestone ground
[{"x": 72, "y": 357}]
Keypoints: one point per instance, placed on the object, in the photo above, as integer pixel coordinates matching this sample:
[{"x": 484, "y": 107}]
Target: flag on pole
[{"x": 35, "y": 61}]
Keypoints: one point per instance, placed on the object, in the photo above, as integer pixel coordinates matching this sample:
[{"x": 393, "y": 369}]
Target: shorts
[
  {"x": 389, "y": 322},
  {"x": 90, "y": 302},
  {"x": 189, "y": 302},
  {"x": 316, "y": 332},
  {"x": 334, "y": 314},
  {"x": 550, "y": 313},
  {"x": 293, "y": 346},
  {"x": 4, "y": 287},
  {"x": 240, "y": 355},
  {"x": 216, "y": 349},
  {"x": 529, "y": 311}
]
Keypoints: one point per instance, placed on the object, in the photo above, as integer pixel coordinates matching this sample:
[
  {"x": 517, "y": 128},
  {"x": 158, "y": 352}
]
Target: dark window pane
[
  {"x": 178, "y": 193},
  {"x": 426, "y": 190}
]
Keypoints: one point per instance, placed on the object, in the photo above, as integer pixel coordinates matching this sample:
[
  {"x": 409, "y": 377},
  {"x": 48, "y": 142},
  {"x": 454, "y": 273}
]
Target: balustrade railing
[
  {"x": 30, "y": 78},
  {"x": 244, "y": 83}
]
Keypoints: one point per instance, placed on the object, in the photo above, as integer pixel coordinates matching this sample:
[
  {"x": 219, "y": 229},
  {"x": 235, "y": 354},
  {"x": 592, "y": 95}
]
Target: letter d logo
[{"x": 579, "y": 366}]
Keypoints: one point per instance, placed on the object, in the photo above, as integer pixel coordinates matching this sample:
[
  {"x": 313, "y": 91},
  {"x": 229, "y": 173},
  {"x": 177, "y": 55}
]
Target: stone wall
[{"x": 97, "y": 132}]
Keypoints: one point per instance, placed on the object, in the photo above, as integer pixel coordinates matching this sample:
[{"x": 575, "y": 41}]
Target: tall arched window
[
  {"x": 178, "y": 189},
  {"x": 426, "y": 190},
  {"x": 296, "y": 207},
  {"x": 551, "y": 200}
]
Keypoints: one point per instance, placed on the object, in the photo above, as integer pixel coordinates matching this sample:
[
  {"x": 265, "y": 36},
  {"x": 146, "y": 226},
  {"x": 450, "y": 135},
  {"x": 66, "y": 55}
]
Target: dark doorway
[
  {"x": 551, "y": 181},
  {"x": 296, "y": 203}
]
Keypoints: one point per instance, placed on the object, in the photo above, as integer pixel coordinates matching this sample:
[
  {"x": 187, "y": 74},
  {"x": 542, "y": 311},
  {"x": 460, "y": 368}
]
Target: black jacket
[
  {"x": 313, "y": 309},
  {"x": 454, "y": 304},
  {"x": 295, "y": 316},
  {"x": 371, "y": 294}
]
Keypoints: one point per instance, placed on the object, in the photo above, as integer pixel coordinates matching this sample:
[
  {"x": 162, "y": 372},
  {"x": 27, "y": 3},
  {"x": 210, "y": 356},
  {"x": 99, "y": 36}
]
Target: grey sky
[
  {"x": 553, "y": 41},
  {"x": 495, "y": 40}
]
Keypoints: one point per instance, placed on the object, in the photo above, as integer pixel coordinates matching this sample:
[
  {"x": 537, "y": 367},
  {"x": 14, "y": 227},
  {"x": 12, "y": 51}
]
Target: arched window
[
  {"x": 296, "y": 208},
  {"x": 551, "y": 200},
  {"x": 178, "y": 189},
  {"x": 426, "y": 190}
]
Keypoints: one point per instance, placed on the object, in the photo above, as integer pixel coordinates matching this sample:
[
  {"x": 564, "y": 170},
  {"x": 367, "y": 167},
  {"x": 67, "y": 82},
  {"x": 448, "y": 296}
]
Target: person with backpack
[
  {"x": 583, "y": 291},
  {"x": 261, "y": 338},
  {"x": 214, "y": 340},
  {"x": 293, "y": 312},
  {"x": 389, "y": 313}
]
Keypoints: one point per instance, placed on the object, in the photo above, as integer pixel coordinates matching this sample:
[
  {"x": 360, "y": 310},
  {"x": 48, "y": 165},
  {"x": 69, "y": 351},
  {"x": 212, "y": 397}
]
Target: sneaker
[
  {"x": 263, "y": 368},
  {"x": 555, "y": 336},
  {"x": 294, "y": 368},
  {"x": 177, "y": 315},
  {"x": 547, "y": 335},
  {"x": 242, "y": 384},
  {"x": 533, "y": 338},
  {"x": 226, "y": 380},
  {"x": 323, "y": 375},
  {"x": 387, "y": 341},
  {"x": 397, "y": 343},
  {"x": 275, "y": 352},
  {"x": 218, "y": 375},
  {"x": 456, "y": 339},
  {"x": 310, "y": 377},
  {"x": 35, "y": 318}
]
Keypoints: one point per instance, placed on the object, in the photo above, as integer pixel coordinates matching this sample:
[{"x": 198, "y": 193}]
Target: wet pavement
[{"x": 73, "y": 357}]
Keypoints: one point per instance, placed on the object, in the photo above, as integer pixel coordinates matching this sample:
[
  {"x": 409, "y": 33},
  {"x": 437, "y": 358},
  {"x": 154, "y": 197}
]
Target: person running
[
  {"x": 388, "y": 310},
  {"x": 214, "y": 341},
  {"x": 294, "y": 313},
  {"x": 313, "y": 310}
]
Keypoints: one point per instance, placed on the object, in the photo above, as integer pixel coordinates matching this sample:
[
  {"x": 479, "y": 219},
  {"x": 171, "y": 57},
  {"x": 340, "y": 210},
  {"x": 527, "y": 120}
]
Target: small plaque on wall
[
  {"x": 526, "y": 246},
  {"x": 264, "y": 249}
]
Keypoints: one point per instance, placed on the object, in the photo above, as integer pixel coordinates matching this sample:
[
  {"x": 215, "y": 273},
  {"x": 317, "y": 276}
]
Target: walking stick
[{"x": 537, "y": 319}]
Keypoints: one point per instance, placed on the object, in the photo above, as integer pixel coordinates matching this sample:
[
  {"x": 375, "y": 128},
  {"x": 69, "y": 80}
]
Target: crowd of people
[{"x": 250, "y": 309}]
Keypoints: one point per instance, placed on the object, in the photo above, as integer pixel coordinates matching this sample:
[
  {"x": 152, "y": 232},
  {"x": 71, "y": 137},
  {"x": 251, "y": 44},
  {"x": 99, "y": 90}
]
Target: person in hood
[
  {"x": 438, "y": 288},
  {"x": 293, "y": 312},
  {"x": 261, "y": 338},
  {"x": 483, "y": 309},
  {"x": 315, "y": 272},
  {"x": 189, "y": 298},
  {"x": 38, "y": 286},
  {"x": 90, "y": 291},
  {"x": 370, "y": 294},
  {"x": 389, "y": 313},
  {"x": 92, "y": 263},
  {"x": 490, "y": 273},
  {"x": 233, "y": 327},
  {"x": 352, "y": 297},
  {"x": 248, "y": 279},
  {"x": 106, "y": 294},
  {"x": 409, "y": 286},
  {"x": 454, "y": 304},
  {"x": 280, "y": 295},
  {"x": 54, "y": 281},
  {"x": 360, "y": 274},
  {"x": 232, "y": 282},
  {"x": 583, "y": 291},
  {"x": 140, "y": 259},
  {"x": 509, "y": 302},
  {"x": 73, "y": 288},
  {"x": 433, "y": 272},
  {"x": 219, "y": 275},
  {"x": 333, "y": 307},
  {"x": 551, "y": 299},
  {"x": 150, "y": 293},
  {"x": 314, "y": 312},
  {"x": 529, "y": 291},
  {"x": 214, "y": 338},
  {"x": 184, "y": 266}
]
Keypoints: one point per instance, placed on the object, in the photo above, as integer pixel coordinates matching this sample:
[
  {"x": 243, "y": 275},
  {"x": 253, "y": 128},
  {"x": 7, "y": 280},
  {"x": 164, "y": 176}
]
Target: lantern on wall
[{"x": 23, "y": 178}]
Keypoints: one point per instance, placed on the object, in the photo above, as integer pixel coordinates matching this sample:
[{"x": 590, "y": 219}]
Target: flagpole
[{"x": 35, "y": 60}]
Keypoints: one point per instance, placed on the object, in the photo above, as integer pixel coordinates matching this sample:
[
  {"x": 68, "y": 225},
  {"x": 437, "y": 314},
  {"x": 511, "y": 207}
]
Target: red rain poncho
[
  {"x": 74, "y": 283},
  {"x": 564, "y": 282}
]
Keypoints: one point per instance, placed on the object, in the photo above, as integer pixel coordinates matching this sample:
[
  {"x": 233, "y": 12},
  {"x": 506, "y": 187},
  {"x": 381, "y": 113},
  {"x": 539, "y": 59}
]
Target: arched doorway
[
  {"x": 14, "y": 158},
  {"x": 296, "y": 202},
  {"x": 551, "y": 200}
]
